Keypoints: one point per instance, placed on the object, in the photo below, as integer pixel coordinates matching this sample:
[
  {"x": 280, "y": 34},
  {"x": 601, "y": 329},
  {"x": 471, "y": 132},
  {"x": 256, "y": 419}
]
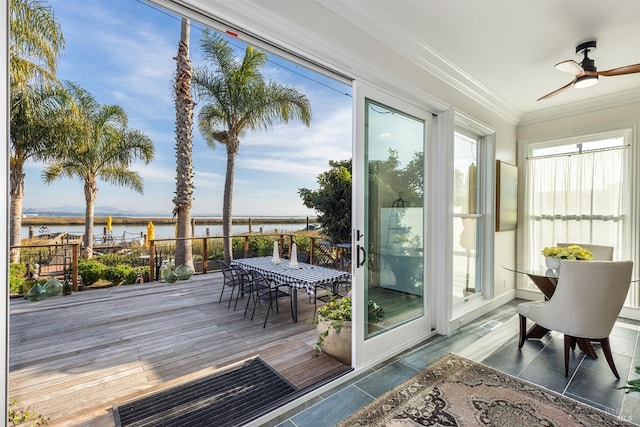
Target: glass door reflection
[{"x": 394, "y": 193}]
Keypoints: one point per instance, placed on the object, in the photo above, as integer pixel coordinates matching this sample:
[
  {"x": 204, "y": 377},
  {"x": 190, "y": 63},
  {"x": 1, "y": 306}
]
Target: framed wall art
[{"x": 506, "y": 196}]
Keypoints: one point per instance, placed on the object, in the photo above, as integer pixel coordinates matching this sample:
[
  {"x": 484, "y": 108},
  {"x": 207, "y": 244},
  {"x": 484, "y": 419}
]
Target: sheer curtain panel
[{"x": 578, "y": 197}]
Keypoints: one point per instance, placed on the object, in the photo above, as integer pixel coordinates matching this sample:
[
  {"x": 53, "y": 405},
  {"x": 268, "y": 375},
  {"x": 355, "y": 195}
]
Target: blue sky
[{"x": 122, "y": 52}]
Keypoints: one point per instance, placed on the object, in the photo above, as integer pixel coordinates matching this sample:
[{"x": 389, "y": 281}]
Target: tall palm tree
[
  {"x": 99, "y": 146},
  {"x": 35, "y": 117},
  {"x": 35, "y": 42},
  {"x": 184, "y": 146},
  {"x": 237, "y": 99}
]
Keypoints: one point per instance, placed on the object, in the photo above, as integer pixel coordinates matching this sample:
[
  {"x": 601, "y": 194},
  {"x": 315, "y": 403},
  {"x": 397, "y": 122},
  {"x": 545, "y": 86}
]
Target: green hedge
[
  {"x": 91, "y": 271},
  {"x": 16, "y": 277}
]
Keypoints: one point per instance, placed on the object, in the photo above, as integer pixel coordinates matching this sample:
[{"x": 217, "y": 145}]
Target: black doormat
[{"x": 227, "y": 398}]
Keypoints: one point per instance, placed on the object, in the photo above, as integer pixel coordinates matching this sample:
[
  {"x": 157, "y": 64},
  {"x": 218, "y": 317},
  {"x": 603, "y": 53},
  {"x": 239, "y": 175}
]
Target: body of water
[{"x": 160, "y": 231}]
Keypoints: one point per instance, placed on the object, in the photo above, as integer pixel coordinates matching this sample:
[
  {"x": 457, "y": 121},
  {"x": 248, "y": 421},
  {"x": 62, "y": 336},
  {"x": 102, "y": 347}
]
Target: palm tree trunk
[
  {"x": 184, "y": 147},
  {"x": 15, "y": 209},
  {"x": 227, "y": 201},
  {"x": 90, "y": 192}
]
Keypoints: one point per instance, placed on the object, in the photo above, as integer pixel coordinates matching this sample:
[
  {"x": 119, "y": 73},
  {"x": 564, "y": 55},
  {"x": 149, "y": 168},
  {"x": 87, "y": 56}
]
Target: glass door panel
[
  {"x": 390, "y": 309},
  {"x": 394, "y": 147}
]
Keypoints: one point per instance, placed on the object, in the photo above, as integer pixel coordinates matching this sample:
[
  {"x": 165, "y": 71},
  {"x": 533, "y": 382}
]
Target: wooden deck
[{"x": 72, "y": 358}]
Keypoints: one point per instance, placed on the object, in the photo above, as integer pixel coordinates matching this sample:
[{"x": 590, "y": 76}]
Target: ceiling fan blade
[
  {"x": 629, "y": 69},
  {"x": 557, "y": 91},
  {"x": 570, "y": 66}
]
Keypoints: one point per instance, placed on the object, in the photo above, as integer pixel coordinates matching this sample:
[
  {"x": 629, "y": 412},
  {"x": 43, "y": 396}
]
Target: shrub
[
  {"x": 120, "y": 274},
  {"x": 16, "y": 277},
  {"x": 18, "y": 417},
  {"x": 90, "y": 270},
  {"x": 144, "y": 271},
  {"x": 259, "y": 245},
  {"x": 132, "y": 258}
]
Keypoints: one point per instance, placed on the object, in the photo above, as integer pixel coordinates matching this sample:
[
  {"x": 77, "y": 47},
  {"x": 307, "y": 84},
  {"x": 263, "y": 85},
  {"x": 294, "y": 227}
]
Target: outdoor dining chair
[
  {"x": 267, "y": 291},
  {"x": 243, "y": 283},
  {"x": 325, "y": 292},
  {"x": 230, "y": 280}
]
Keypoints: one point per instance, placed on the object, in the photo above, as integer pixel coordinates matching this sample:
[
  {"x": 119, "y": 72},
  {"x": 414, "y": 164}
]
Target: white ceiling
[{"x": 501, "y": 52}]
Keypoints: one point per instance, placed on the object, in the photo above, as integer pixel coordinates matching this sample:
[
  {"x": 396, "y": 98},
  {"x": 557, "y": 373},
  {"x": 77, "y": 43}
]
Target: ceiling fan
[{"x": 585, "y": 73}]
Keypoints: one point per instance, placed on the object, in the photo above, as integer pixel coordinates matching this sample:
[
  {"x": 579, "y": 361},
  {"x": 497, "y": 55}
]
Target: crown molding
[
  {"x": 257, "y": 24},
  {"x": 385, "y": 29},
  {"x": 248, "y": 18},
  {"x": 580, "y": 107}
]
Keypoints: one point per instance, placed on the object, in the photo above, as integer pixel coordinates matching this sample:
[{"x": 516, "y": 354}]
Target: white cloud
[{"x": 122, "y": 52}]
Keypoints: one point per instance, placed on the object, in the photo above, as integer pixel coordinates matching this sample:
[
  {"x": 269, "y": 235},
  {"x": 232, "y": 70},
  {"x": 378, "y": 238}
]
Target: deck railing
[
  {"x": 53, "y": 258},
  {"x": 320, "y": 250}
]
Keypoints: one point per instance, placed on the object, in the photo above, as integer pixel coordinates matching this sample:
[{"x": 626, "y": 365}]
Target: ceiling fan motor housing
[{"x": 587, "y": 63}]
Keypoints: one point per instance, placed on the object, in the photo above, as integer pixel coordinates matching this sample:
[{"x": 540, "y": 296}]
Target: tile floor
[{"x": 492, "y": 340}]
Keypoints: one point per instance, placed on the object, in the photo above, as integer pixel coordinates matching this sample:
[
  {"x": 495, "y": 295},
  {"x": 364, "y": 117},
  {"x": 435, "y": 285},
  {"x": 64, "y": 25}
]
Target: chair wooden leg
[
  {"x": 567, "y": 346},
  {"x": 523, "y": 331},
  {"x": 606, "y": 349}
]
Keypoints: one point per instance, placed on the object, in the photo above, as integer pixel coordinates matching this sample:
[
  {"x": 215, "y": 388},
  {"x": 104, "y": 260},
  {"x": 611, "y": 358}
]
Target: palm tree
[
  {"x": 238, "y": 99},
  {"x": 35, "y": 42},
  {"x": 184, "y": 147},
  {"x": 34, "y": 117},
  {"x": 99, "y": 146}
]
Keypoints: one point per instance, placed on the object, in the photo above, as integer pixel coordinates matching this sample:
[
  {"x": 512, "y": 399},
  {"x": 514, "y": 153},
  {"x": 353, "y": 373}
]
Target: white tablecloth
[{"x": 305, "y": 276}]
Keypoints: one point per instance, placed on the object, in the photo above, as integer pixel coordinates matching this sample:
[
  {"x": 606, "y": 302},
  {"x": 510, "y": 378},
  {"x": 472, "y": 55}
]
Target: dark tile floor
[{"x": 540, "y": 361}]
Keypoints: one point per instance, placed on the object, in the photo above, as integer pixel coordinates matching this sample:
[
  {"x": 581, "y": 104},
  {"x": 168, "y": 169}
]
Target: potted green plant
[{"x": 333, "y": 322}]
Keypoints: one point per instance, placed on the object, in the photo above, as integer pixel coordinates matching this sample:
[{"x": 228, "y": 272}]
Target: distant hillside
[
  {"x": 104, "y": 211},
  {"x": 79, "y": 211}
]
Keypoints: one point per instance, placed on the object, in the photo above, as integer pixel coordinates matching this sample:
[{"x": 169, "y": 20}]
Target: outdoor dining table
[{"x": 305, "y": 276}]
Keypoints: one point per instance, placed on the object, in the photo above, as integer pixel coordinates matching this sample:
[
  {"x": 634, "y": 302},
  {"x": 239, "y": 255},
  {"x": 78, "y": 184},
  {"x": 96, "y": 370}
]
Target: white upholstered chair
[
  {"x": 585, "y": 305},
  {"x": 599, "y": 252}
]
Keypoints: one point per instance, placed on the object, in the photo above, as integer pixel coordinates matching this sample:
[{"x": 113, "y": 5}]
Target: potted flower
[
  {"x": 333, "y": 321},
  {"x": 554, "y": 254}
]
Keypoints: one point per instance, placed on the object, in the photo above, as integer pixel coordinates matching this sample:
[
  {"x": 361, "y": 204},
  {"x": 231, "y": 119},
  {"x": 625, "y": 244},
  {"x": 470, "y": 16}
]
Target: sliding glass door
[{"x": 391, "y": 305}]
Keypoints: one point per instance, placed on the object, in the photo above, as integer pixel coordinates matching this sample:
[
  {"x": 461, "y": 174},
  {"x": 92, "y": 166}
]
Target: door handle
[
  {"x": 361, "y": 256},
  {"x": 361, "y": 253}
]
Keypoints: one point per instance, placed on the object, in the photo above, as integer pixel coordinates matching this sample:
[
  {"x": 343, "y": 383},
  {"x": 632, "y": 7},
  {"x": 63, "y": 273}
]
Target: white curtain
[{"x": 577, "y": 198}]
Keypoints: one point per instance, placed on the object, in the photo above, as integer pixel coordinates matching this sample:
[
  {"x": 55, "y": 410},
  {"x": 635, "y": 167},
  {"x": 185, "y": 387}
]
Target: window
[
  {"x": 577, "y": 190},
  {"x": 467, "y": 220}
]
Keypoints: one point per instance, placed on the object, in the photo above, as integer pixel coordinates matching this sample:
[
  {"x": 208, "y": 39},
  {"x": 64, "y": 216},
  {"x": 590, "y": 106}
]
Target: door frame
[{"x": 369, "y": 352}]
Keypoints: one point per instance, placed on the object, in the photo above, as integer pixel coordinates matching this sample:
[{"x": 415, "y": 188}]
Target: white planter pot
[
  {"x": 552, "y": 263},
  {"x": 336, "y": 344}
]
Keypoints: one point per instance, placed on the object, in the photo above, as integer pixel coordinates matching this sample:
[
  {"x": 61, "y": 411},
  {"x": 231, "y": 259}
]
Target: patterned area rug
[{"x": 459, "y": 392}]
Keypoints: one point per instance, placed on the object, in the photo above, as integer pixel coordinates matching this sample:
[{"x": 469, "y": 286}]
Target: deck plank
[{"x": 72, "y": 358}]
